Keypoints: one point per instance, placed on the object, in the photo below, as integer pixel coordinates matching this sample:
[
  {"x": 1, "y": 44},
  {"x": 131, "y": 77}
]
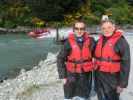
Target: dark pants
[
  {"x": 105, "y": 86},
  {"x": 78, "y": 85},
  {"x": 112, "y": 95}
]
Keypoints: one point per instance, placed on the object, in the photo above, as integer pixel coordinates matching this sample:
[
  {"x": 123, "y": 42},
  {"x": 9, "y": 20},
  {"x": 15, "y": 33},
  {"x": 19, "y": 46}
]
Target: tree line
[{"x": 40, "y": 13}]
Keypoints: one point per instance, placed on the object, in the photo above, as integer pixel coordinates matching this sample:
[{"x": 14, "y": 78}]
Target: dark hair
[{"x": 79, "y": 21}]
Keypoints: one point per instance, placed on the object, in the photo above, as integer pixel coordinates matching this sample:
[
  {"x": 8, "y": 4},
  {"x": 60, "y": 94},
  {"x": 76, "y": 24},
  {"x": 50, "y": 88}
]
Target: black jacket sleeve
[
  {"x": 92, "y": 46},
  {"x": 62, "y": 58},
  {"x": 122, "y": 47}
]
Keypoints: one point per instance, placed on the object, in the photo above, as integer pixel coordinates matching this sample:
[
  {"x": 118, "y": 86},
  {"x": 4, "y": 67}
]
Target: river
[{"x": 20, "y": 51}]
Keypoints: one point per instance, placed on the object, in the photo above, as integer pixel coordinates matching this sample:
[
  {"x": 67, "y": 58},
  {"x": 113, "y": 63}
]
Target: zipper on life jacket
[{"x": 82, "y": 70}]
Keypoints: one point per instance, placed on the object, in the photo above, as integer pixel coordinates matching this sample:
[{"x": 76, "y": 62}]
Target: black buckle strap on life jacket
[
  {"x": 107, "y": 59},
  {"x": 80, "y": 61}
]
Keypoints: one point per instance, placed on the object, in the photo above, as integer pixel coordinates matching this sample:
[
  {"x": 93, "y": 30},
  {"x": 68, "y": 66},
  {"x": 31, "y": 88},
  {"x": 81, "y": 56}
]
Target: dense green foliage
[{"x": 52, "y": 12}]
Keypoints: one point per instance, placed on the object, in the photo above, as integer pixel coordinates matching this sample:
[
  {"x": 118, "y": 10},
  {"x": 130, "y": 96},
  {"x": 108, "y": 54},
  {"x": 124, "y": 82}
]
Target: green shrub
[
  {"x": 1, "y": 23},
  {"x": 90, "y": 20},
  {"x": 9, "y": 24},
  {"x": 121, "y": 13}
]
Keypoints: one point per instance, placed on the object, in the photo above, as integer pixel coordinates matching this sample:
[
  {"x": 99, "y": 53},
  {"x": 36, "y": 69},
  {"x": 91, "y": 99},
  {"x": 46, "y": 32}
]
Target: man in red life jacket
[
  {"x": 112, "y": 62},
  {"x": 75, "y": 63}
]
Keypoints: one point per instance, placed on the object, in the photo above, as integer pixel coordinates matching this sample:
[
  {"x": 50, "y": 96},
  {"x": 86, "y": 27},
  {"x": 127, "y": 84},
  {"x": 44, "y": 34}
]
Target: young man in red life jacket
[
  {"x": 112, "y": 62},
  {"x": 75, "y": 63}
]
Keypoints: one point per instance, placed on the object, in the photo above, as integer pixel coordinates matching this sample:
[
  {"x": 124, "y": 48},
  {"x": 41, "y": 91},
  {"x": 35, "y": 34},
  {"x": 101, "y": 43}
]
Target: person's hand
[
  {"x": 119, "y": 89},
  {"x": 64, "y": 80},
  {"x": 95, "y": 66}
]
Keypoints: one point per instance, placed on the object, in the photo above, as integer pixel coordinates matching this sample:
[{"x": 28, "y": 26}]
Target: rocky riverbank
[
  {"x": 19, "y": 29},
  {"x": 42, "y": 83},
  {"x": 91, "y": 29}
]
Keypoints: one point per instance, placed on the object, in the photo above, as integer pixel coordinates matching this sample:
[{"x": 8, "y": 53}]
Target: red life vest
[
  {"x": 79, "y": 60},
  {"x": 107, "y": 60}
]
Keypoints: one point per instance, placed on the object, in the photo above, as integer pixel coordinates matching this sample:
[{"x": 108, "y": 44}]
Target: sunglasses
[{"x": 78, "y": 28}]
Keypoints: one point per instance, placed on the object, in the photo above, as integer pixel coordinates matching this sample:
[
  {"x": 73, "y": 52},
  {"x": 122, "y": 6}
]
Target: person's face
[
  {"x": 107, "y": 28},
  {"x": 79, "y": 28}
]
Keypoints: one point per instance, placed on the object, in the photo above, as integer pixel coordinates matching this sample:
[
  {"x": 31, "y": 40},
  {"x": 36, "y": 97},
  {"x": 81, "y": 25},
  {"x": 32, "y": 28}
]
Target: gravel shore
[{"x": 42, "y": 82}]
